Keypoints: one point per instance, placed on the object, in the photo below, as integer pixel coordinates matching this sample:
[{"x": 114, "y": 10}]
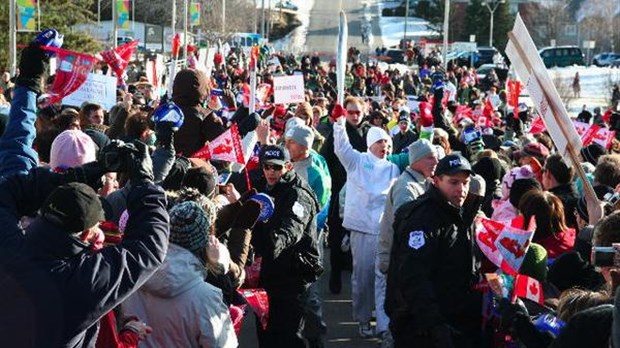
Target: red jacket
[
  {"x": 109, "y": 338},
  {"x": 559, "y": 244}
]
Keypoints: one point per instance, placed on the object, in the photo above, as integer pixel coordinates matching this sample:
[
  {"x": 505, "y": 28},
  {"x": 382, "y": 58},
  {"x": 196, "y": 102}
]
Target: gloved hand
[
  {"x": 246, "y": 195},
  {"x": 510, "y": 311},
  {"x": 442, "y": 336},
  {"x": 90, "y": 173},
  {"x": 337, "y": 112},
  {"x": 33, "y": 65},
  {"x": 248, "y": 215},
  {"x": 165, "y": 133},
  {"x": 113, "y": 156},
  {"x": 140, "y": 165},
  {"x": 229, "y": 99}
]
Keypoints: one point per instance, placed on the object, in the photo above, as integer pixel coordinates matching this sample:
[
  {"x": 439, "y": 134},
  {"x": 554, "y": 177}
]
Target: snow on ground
[
  {"x": 393, "y": 28},
  {"x": 295, "y": 41}
]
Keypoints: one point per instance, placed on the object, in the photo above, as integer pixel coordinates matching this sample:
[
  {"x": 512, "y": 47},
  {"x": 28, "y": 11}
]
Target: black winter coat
[
  {"x": 53, "y": 288},
  {"x": 290, "y": 230},
  {"x": 432, "y": 268}
]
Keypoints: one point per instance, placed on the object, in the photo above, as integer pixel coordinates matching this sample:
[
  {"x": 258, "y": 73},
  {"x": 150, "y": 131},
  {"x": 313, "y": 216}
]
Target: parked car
[
  {"x": 286, "y": 5},
  {"x": 561, "y": 56},
  {"x": 605, "y": 58},
  {"x": 484, "y": 69},
  {"x": 396, "y": 56},
  {"x": 485, "y": 55}
]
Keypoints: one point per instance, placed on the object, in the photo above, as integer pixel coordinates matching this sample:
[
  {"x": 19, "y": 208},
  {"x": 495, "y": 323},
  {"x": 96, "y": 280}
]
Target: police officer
[
  {"x": 287, "y": 244},
  {"x": 429, "y": 297}
]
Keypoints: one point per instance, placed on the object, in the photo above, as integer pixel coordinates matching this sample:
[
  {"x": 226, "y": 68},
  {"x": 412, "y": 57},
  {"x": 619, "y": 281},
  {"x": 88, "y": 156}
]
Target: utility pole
[
  {"x": 223, "y": 16},
  {"x": 406, "y": 20},
  {"x": 262, "y": 24},
  {"x": 98, "y": 13},
  {"x": 114, "y": 25},
  {"x": 185, "y": 38},
  {"x": 12, "y": 39},
  {"x": 492, "y": 12},
  {"x": 446, "y": 24},
  {"x": 174, "y": 17}
]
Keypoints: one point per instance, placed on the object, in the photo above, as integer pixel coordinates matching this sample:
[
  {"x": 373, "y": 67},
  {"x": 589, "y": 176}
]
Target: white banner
[
  {"x": 100, "y": 89},
  {"x": 288, "y": 89},
  {"x": 528, "y": 65}
]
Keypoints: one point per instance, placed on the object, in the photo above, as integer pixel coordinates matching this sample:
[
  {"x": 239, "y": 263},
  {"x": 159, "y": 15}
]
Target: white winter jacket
[
  {"x": 182, "y": 309},
  {"x": 368, "y": 181}
]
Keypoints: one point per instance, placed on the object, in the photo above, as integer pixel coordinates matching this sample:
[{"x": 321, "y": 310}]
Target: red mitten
[
  {"x": 337, "y": 112},
  {"x": 426, "y": 116}
]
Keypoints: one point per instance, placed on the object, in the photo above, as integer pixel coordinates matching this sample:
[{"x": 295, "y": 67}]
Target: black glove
[
  {"x": 33, "y": 65},
  {"x": 246, "y": 195},
  {"x": 442, "y": 336},
  {"x": 113, "y": 156},
  {"x": 90, "y": 173},
  {"x": 248, "y": 215},
  {"x": 140, "y": 165},
  {"x": 165, "y": 133},
  {"x": 511, "y": 311},
  {"x": 229, "y": 99}
]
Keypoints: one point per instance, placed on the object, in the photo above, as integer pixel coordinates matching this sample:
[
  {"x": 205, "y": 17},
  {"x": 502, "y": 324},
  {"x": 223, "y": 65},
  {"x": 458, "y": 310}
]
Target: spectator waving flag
[
  {"x": 529, "y": 288},
  {"x": 72, "y": 72},
  {"x": 226, "y": 147},
  {"x": 119, "y": 57}
]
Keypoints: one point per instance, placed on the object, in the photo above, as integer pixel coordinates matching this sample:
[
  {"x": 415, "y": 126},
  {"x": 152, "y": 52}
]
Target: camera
[
  {"x": 606, "y": 256},
  {"x": 115, "y": 156},
  {"x": 612, "y": 198}
]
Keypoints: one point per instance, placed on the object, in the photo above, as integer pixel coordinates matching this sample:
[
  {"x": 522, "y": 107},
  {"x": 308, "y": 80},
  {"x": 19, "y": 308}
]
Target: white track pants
[{"x": 363, "y": 250}]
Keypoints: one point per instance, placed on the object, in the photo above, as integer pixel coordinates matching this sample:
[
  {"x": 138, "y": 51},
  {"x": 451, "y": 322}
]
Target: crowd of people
[{"x": 118, "y": 235}]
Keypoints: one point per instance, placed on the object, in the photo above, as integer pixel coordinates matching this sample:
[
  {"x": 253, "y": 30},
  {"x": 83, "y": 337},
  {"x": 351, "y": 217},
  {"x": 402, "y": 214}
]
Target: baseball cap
[
  {"x": 274, "y": 154},
  {"x": 453, "y": 164},
  {"x": 74, "y": 207},
  {"x": 403, "y": 116}
]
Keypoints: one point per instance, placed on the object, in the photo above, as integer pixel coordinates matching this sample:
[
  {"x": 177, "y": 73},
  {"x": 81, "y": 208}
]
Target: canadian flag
[
  {"x": 529, "y": 288},
  {"x": 119, "y": 57},
  {"x": 227, "y": 147},
  {"x": 538, "y": 126}
]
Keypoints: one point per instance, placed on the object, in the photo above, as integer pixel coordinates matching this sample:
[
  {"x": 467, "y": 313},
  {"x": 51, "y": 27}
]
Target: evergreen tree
[{"x": 60, "y": 15}]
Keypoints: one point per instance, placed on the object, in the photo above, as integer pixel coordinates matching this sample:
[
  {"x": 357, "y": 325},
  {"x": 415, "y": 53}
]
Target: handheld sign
[
  {"x": 341, "y": 60},
  {"x": 529, "y": 66},
  {"x": 288, "y": 89}
]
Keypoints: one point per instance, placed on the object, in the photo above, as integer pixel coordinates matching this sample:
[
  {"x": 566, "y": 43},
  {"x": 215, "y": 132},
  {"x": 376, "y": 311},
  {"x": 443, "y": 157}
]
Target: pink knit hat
[
  {"x": 516, "y": 173},
  {"x": 72, "y": 148}
]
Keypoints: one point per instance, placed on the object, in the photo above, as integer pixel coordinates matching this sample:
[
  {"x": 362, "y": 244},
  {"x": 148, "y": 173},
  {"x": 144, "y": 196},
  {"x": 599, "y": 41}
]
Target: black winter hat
[
  {"x": 592, "y": 152},
  {"x": 570, "y": 270},
  {"x": 74, "y": 207},
  {"x": 521, "y": 187},
  {"x": 202, "y": 179}
]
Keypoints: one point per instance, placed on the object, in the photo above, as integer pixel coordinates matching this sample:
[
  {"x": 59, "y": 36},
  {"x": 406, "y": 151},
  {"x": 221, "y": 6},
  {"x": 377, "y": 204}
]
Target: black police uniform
[
  {"x": 290, "y": 231},
  {"x": 432, "y": 271}
]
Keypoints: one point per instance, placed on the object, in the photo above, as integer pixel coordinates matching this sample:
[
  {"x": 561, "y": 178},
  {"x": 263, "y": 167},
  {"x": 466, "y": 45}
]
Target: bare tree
[{"x": 545, "y": 21}]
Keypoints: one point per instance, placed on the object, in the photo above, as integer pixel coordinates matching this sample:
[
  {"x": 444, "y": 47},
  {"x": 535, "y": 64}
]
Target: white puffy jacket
[
  {"x": 368, "y": 181},
  {"x": 182, "y": 309}
]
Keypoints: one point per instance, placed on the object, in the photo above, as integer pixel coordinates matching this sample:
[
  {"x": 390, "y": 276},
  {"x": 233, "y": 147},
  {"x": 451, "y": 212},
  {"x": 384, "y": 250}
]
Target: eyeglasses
[
  {"x": 353, "y": 112},
  {"x": 274, "y": 167}
]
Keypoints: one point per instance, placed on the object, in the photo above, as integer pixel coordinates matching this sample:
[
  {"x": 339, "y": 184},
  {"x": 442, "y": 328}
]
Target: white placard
[
  {"x": 530, "y": 68},
  {"x": 413, "y": 103},
  {"x": 288, "y": 89},
  {"x": 100, "y": 89}
]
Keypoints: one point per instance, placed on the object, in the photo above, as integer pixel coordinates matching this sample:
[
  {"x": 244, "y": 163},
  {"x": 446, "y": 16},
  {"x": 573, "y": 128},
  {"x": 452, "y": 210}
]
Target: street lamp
[{"x": 492, "y": 6}]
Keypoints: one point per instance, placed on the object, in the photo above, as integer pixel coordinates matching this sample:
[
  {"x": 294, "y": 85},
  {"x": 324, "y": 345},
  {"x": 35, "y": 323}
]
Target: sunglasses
[
  {"x": 275, "y": 167},
  {"x": 353, "y": 112}
]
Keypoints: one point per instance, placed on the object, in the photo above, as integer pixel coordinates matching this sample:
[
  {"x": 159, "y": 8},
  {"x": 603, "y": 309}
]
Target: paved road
[
  {"x": 323, "y": 30},
  {"x": 341, "y": 330}
]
